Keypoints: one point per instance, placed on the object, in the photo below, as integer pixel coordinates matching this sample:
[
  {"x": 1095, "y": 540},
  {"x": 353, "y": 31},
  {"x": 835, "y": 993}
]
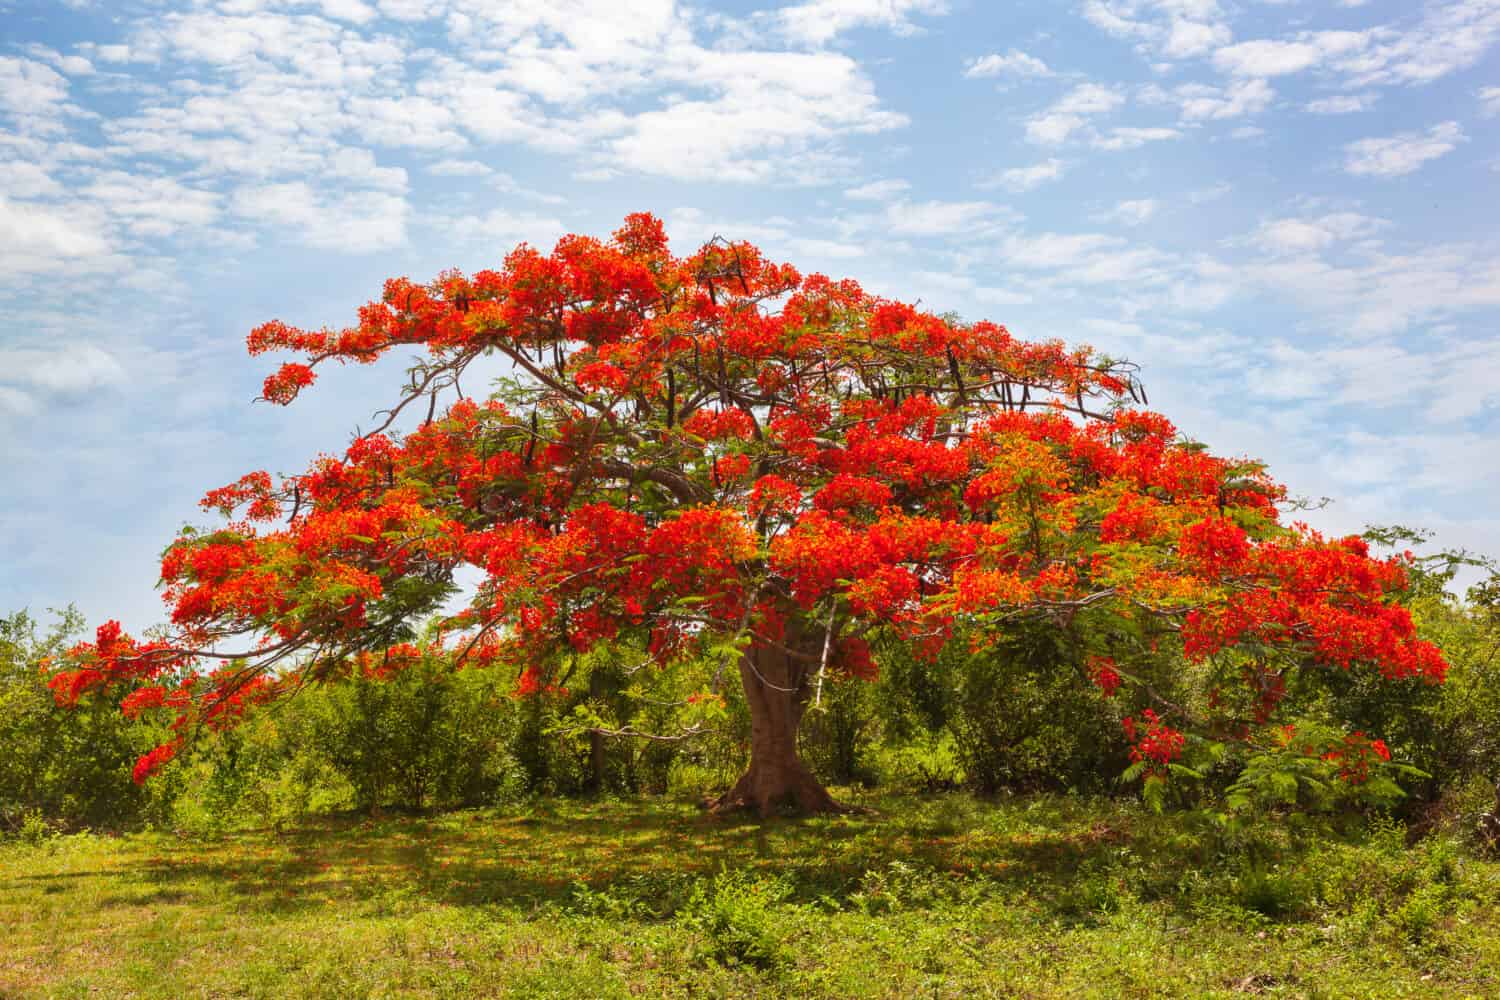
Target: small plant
[
  {"x": 34, "y": 829},
  {"x": 650, "y": 896},
  {"x": 1420, "y": 915},
  {"x": 900, "y": 885},
  {"x": 1272, "y": 892},
  {"x": 736, "y": 917}
]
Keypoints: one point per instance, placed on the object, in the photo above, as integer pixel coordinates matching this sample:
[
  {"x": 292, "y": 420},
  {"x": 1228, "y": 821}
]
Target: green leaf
[{"x": 1155, "y": 792}]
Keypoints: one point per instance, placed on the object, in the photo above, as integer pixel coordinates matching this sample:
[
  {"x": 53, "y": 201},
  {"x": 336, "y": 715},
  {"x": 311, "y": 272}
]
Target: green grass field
[{"x": 936, "y": 897}]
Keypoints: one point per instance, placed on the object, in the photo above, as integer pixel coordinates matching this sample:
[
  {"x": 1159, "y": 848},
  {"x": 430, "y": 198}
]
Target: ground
[{"x": 919, "y": 897}]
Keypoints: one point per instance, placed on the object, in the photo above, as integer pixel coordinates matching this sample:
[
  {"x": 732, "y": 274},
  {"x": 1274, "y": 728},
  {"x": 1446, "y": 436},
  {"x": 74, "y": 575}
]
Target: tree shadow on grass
[{"x": 635, "y": 859}]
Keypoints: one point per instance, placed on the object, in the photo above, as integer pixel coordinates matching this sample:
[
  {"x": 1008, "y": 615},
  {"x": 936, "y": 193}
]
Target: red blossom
[
  {"x": 1153, "y": 742},
  {"x": 1104, "y": 675}
]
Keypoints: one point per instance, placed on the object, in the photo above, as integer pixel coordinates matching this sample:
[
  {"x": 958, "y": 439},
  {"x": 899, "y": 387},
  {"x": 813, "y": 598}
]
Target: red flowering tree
[{"x": 717, "y": 452}]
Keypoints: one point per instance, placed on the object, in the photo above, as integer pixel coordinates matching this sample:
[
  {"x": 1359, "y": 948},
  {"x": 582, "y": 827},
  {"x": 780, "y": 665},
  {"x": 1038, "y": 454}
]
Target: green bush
[
  {"x": 837, "y": 734},
  {"x": 69, "y": 766},
  {"x": 1021, "y": 719},
  {"x": 737, "y": 919},
  {"x": 428, "y": 737}
]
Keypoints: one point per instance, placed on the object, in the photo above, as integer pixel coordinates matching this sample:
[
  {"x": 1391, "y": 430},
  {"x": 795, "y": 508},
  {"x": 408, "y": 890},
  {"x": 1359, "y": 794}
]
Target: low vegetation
[{"x": 940, "y": 896}]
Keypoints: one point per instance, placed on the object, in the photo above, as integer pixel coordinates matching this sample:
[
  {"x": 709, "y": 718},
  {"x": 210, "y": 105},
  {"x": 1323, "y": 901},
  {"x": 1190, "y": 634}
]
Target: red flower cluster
[
  {"x": 1355, "y": 756},
  {"x": 289, "y": 380},
  {"x": 719, "y": 425},
  {"x": 1153, "y": 742},
  {"x": 1104, "y": 675},
  {"x": 153, "y": 761}
]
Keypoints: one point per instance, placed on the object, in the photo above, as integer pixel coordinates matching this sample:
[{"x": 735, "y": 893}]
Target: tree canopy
[{"x": 715, "y": 452}]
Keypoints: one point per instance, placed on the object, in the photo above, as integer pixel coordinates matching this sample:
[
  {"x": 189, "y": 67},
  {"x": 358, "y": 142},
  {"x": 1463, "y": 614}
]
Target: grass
[{"x": 930, "y": 897}]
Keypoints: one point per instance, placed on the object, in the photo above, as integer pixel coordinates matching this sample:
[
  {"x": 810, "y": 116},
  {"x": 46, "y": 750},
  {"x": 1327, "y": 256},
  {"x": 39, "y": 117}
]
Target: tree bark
[{"x": 776, "y": 689}]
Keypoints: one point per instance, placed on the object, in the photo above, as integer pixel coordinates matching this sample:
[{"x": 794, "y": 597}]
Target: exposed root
[{"x": 767, "y": 791}]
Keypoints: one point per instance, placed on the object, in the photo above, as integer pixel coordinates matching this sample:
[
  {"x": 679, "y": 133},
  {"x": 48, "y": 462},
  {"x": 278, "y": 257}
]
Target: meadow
[{"x": 912, "y": 896}]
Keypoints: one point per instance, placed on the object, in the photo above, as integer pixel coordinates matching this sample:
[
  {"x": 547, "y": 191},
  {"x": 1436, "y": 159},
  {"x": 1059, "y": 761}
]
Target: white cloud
[
  {"x": 1012, "y": 63},
  {"x": 817, "y": 22},
  {"x": 1304, "y": 235},
  {"x": 1051, "y": 129},
  {"x": 1047, "y": 251},
  {"x": 1070, "y": 113},
  {"x": 458, "y": 168},
  {"x": 624, "y": 87},
  {"x": 1381, "y": 293},
  {"x": 1020, "y": 179},
  {"x": 71, "y": 65},
  {"x": 1341, "y": 104},
  {"x": 1489, "y": 101},
  {"x": 881, "y": 190},
  {"x": 500, "y": 229},
  {"x": 353, "y": 222},
  {"x": 1089, "y": 99},
  {"x": 410, "y": 10},
  {"x": 1266, "y": 57},
  {"x": 151, "y": 206},
  {"x": 787, "y": 103},
  {"x": 65, "y": 371},
  {"x": 1174, "y": 29},
  {"x": 1187, "y": 38},
  {"x": 348, "y": 10},
  {"x": 1133, "y": 212},
  {"x": 507, "y": 184},
  {"x": 952, "y": 289},
  {"x": 358, "y": 166},
  {"x": 33, "y": 94},
  {"x": 1202, "y": 102},
  {"x": 16, "y": 402},
  {"x": 1443, "y": 383},
  {"x": 1450, "y": 37},
  {"x": 776, "y": 235},
  {"x": 1132, "y": 138},
  {"x": 41, "y": 239},
  {"x": 1403, "y": 153},
  {"x": 937, "y": 218},
  {"x": 405, "y": 121},
  {"x": 22, "y": 179}
]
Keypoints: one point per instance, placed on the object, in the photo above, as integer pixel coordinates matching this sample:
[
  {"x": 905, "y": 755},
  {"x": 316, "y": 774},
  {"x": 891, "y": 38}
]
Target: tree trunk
[{"x": 776, "y": 689}]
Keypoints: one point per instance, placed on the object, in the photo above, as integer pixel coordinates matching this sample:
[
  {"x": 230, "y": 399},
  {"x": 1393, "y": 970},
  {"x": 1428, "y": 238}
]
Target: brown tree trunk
[{"x": 776, "y": 688}]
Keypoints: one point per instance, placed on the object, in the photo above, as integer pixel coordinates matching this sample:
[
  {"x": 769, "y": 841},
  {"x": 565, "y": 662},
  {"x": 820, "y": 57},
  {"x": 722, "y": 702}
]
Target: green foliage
[
  {"x": 1290, "y": 777},
  {"x": 430, "y": 736},
  {"x": 1449, "y": 731},
  {"x": 71, "y": 767},
  {"x": 836, "y": 736},
  {"x": 1020, "y": 715},
  {"x": 736, "y": 919},
  {"x": 427, "y": 737},
  {"x": 929, "y": 761}
]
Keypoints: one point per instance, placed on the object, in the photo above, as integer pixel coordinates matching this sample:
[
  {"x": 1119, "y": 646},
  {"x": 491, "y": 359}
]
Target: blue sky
[{"x": 1285, "y": 210}]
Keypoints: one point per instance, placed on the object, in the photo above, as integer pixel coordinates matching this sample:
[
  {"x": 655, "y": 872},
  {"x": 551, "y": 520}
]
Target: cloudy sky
[{"x": 1285, "y": 210}]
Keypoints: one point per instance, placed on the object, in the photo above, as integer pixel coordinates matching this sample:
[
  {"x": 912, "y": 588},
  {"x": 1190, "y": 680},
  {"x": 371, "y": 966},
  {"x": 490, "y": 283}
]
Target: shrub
[
  {"x": 71, "y": 767},
  {"x": 736, "y": 918}
]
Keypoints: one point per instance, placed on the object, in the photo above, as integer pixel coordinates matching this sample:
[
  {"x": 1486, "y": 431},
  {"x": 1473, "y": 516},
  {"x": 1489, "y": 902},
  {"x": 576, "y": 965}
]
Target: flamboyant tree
[{"x": 716, "y": 452}]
